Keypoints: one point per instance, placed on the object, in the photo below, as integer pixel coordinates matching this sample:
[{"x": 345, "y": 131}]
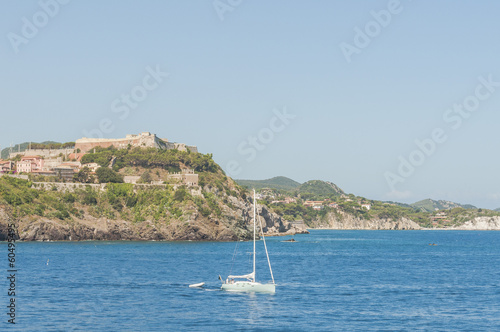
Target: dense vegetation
[
  {"x": 117, "y": 200},
  {"x": 431, "y": 205},
  {"x": 310, "y": 190},
  {"x": 171, "y": 160},
  {"x": 459, "y": 215},
  {"x": 316, "y": 189},
  {"x": 378, "y": 210},
  {"x": 107, "y": 175},
  {"x": 26, "y": 200},
  {"x": 161, "y": 203},
  {"x": 53, "y": 145},
  {"x": 296, "y": 211},
  {"x": 351, "y": 204},
  {"x": 278, "y": 182}
]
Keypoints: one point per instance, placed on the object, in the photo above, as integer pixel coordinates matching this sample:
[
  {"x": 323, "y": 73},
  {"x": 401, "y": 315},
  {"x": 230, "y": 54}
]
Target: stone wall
[
  {"x": 44, "y": 153},
  {"x": 143, "y": 140}
]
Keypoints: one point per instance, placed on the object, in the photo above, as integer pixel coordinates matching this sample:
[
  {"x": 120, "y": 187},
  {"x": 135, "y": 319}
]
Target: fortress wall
[
  {"x": 144, "y": 140},
  {"x": 192, "y": 148},
  {"x": 86, "y": 144},
  {"x": 44, "y": 153}
]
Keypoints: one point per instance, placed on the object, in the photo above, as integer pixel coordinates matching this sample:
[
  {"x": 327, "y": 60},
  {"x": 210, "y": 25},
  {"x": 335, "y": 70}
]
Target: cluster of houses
[
  {"x": 6, "y": 166},
  {"x": 267, "y": 193},
  {"x": 440, "y": 217},
  {"x": 37, "y": 165},
  {"x": 318, "y": 205},
  {"x": 65, "y": 163}
]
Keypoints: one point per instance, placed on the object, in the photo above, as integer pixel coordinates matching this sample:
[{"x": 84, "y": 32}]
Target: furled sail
[{"x": 246, "y": 276}]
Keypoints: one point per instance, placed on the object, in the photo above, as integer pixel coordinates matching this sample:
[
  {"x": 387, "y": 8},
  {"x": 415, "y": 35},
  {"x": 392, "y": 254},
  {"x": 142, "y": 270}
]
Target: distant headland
[
  {"x": 140, "y": 187},
  {"x": 143, "y": 187}
]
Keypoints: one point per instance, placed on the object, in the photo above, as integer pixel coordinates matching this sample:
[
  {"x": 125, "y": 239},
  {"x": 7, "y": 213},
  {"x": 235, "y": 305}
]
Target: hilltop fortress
[
  {"x": 143, "y": 140},
  {"x": 66, "y": 162}
]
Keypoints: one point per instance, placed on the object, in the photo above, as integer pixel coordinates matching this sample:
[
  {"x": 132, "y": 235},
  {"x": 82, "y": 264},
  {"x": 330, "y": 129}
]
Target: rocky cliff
[
  {"x": 233, "y": 225},
  {"x": 481, "y": 223},
  {"x": 342, "y": 220},
  {"x": 5, "y": 220}
]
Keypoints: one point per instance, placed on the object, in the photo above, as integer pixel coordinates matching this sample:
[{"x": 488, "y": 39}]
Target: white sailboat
[{"x": 250, "y": 285}]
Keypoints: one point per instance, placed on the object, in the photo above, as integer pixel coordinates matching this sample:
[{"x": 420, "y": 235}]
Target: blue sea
[{"x": 326, "y": 281}]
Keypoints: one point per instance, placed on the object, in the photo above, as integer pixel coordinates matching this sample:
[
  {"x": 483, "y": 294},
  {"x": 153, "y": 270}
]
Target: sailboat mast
[{"x": 254, "y": 221}]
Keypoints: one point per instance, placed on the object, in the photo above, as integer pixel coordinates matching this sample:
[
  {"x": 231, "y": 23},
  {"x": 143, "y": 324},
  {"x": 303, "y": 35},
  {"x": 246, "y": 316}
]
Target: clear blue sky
[{"x": 352, "y": 120}]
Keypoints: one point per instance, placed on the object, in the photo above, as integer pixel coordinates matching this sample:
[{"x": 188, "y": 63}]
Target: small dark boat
[{"x": 290, "y": 240}]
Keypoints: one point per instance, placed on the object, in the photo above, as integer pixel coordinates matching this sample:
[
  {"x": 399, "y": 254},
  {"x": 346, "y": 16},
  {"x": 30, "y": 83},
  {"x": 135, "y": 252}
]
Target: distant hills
[
  {"x": 24, "y": 146},
  {"x": 399, "y": 204},
  {"x": 318, "y": 189},
  {"x": 321, "y": 188},
  {"x": 312, "y": 188},
  {"x": 430, "y": 205},
  {"x": 278, "y": 182}
]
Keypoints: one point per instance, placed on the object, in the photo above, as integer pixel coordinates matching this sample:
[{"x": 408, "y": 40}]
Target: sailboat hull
[
  {"x": 248, "y": 283},
  {"x": 248, "y": 286}
]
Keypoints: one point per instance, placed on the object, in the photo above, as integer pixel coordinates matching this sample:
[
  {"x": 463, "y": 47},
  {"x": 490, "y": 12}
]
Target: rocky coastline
[
  {"x": 481, "y": 224},
  {"x": 345, "y": 221},
  {"x": 196, "y": 228}
]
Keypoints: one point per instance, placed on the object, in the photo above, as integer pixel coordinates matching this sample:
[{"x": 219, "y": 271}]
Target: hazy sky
[{"x": 391, "y": 100}]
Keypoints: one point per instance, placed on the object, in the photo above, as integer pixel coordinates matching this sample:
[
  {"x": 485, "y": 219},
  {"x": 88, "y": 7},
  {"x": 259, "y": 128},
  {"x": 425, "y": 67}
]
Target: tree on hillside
[
  {"x": 145, "y": 177},
  {"x": 180, "y": 194},
  {"x": 84, "y": 176},
  {"x": 106, "y": 175}
]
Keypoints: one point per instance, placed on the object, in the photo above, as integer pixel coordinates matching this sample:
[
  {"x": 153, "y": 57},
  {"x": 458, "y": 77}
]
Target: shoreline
[
  {"x": 266, "y": 235},
  {"x": 403, "y": 230}
]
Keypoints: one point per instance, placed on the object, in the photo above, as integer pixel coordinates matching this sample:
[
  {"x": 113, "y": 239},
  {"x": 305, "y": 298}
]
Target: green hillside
[
  {"x": 399, "y": 204},
  {"x": 319, "y": 189},
  {"x": 278, "y": 182},
  {"x": 430, "y": 205},
  {"x": 314, "y": 189},
  {"x": 211, "y": 211}
]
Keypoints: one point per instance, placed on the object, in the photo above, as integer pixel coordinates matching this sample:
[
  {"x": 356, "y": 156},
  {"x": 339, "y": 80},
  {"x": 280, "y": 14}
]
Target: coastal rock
[
  {"x": 273, "y": 225},
  {"x": 481, "y": 223},
  {"x": 5, "y": 220},
  {"x": 233, "y": 224},
  {"x": 342, "y": 220}
]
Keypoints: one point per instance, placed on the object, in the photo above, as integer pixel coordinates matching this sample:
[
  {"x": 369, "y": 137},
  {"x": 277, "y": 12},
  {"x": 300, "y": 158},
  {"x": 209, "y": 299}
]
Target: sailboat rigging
[{"x": 250, "y": 284}]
